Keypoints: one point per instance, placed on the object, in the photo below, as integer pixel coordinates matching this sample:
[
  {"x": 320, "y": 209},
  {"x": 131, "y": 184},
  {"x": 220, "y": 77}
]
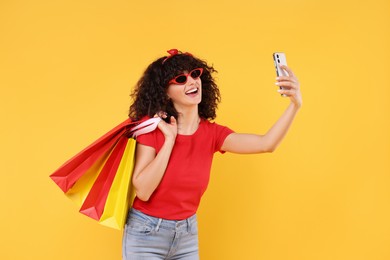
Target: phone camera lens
[
  {"x": 278, "y": 61},
  {"x": 277, "y": 56}
]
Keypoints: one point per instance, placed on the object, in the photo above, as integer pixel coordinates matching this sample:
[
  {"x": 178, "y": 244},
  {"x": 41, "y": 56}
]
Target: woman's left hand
[{"x": 290, "y": 85}]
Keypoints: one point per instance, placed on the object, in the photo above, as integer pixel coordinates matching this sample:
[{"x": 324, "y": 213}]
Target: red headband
[{"x": 173, "y": 52}]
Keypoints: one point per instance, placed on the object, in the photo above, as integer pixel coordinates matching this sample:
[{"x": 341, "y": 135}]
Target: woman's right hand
[
  {"x": 150, "y": 166},
  {"x": 168, "y": 129}
]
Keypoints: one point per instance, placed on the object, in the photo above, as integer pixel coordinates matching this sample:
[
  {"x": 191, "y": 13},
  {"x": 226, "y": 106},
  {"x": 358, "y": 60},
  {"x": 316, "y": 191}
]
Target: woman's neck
[{"x": 188, "y": 121}]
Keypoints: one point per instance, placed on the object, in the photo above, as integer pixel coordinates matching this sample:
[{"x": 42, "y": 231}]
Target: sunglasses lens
[
  {"x": 181, "y": 79},
  {"x": 196, "y": 73}
]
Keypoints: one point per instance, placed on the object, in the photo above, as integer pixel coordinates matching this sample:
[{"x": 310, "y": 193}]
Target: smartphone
[{"x": 280, "y": 59}]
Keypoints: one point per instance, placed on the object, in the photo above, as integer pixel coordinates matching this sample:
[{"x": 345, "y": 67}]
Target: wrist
[
  {"x": 296, "y": 105},
  {"x": 169, "y": 140}
]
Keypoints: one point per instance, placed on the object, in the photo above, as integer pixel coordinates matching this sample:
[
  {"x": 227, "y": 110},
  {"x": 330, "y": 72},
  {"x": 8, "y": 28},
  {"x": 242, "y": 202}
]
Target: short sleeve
[
  {"x": 148, "y": 139},
  {"x": 220, "y": 134}
]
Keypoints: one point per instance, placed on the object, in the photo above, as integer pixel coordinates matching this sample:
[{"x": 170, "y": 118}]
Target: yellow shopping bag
[
  {"x": 79, "y": 192},
  {"x": 99, "y": 177},
  {"x": 121, "y": 193}
]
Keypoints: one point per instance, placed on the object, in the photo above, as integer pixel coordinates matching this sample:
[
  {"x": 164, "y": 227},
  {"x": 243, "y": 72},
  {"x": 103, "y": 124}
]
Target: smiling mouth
[{"x": 192, "y": 91}]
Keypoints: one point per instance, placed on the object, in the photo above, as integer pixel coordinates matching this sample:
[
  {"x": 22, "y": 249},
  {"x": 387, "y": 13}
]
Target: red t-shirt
[{"x": 178, "y": 195}]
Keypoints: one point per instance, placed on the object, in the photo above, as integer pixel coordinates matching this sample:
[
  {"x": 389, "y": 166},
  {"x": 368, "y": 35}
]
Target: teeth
[{"x": 192, "y": 91}]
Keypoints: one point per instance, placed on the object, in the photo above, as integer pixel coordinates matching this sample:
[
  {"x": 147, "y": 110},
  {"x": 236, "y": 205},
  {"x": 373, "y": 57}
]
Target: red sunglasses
[{"x": 182, "y": 78}]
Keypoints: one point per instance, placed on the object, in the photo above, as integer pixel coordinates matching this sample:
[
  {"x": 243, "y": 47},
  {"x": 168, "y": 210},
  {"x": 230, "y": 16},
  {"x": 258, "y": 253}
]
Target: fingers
[
  {"x": 291, "y": 76},
  {"x": 161, "y": 114},
  {"x": 286, "y": 84},
  {"x": 166, "y": 118},
  {"x": 286, "y": 92},
  {"x": 284, "y": 78},
  {"x": 169, "y": 129},
  {"x": 289, "y": 86},
  {"x": 173, "y": 120},
  {"x": 289, "y": 71}
]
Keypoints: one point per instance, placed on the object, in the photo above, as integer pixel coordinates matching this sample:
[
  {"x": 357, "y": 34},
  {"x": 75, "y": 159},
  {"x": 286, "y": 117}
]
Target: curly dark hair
[{"x": 149, "y": 95}]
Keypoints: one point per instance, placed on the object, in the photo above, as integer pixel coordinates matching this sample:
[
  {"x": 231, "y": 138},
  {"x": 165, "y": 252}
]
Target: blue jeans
[{"x": 147, "y": 237}]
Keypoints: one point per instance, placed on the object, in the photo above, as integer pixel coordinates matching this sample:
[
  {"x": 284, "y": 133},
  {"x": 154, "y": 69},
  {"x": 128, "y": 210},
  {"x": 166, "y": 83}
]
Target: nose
[{"x": 190, "y": 80}]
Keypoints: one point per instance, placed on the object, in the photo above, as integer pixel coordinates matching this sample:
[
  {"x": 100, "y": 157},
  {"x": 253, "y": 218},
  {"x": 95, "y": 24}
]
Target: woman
[{"x": 172, "y": 164}]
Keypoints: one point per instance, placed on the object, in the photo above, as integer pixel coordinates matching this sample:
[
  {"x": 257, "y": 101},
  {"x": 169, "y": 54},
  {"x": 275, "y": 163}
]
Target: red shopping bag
[
  {"x": 121, "y": 194},
  {"x": 94, "y": 203},
  {"x": 73, "y": 169},
  {"x": 98, "y": 164}
]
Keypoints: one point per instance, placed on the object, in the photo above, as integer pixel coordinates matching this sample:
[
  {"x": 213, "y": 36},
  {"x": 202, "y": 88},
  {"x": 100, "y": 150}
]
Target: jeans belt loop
[
  {"x": 158, "y": 224},
  {"x": 188, "y": 225}
]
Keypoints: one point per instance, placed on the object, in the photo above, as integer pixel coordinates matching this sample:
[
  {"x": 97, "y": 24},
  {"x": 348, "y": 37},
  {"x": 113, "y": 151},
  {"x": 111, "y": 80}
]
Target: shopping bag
[
  {"x": 121, "y": 193},
  {"x": 81, "y": 188},
  {"x": 101, "y": 168},
  {"x": 73, "y": 169},
  {"x": 79, "y": 191},
  {"x": 94, "y": 203}
]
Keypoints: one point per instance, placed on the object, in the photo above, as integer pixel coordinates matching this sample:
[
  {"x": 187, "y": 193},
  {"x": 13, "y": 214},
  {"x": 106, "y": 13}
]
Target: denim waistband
[{"x": 158, "y": 223}]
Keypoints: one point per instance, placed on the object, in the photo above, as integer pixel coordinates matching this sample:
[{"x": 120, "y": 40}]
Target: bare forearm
[
  {"x": 291, "y": 89},
  {"x": 146, "y": 180},
  {"x": 277, "y": 132},
  {"x": 254, "y": 143}
]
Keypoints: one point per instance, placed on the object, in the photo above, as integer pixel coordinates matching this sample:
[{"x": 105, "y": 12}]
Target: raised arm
[
  {"x": 150, "y": 168},
  {"x": 254, "y": 143}
]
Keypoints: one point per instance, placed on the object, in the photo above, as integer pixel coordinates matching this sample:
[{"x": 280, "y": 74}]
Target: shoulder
[
  {"x": 215, "y": 130},
  {"x": 215, "y": 126},
  {"x": 210, "y": 124},
  {"x": 216, "y": 133},
  {"x": 154, "y": 138}
]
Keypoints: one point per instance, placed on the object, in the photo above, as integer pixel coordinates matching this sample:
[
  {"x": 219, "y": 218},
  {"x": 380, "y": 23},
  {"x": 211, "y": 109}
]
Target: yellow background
[{"x": 66, "y": 71}]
